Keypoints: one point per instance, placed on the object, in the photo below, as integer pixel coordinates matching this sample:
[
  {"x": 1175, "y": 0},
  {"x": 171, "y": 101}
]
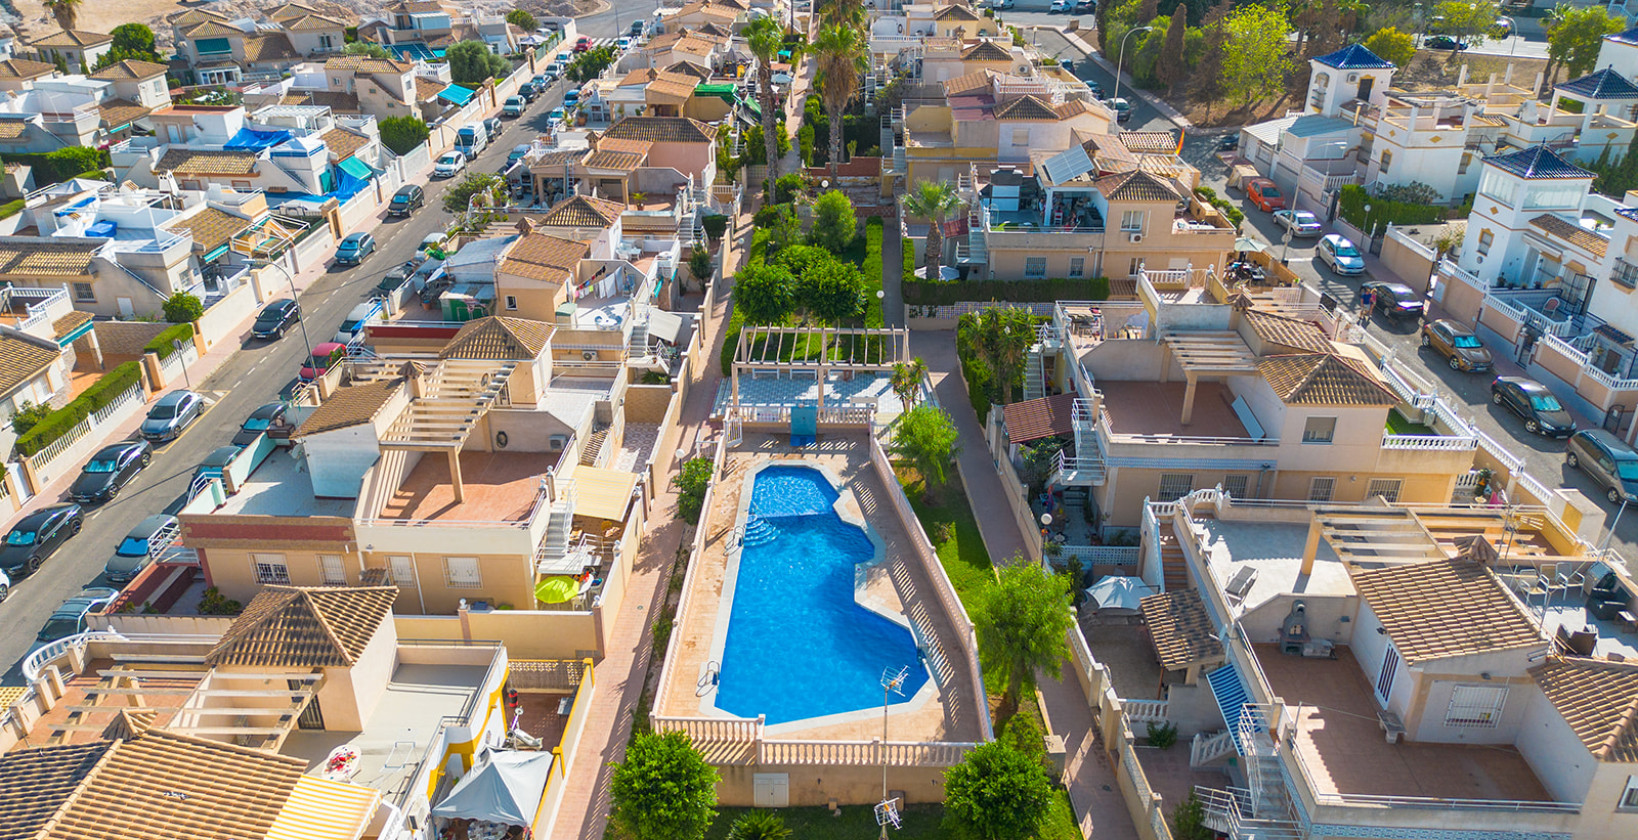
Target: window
[
  {"x": 1134, "y": 266},
  {"x": 462, "y": 573},
  {"x": 1387, "y": 159},
  {"x": 84, "y": 292},
  {"x": 1476, "y": 705},
  {"x": 512, "y": 302},
  {"x": 1237, "y": 486},
  {"x": 1321, "y": 488},
  {"x": 1020, "y": 136},
  {"x": 1077, "y": 266},
  {"x": 1499, "y": 187},
  {"x": 270, "y": 568},
  {"x": 1035, "y": 267},
  {"x": 402, "y": 569},
  {"x": 326, "y": 42},
  {"x": 1554, "y": 197},
  {"x": 1319, "y": 430},
  {"x": 1629, "y": 797},
  {"x": 557, "y": 443},
  {"x": 1486, "y": 239},
  {"x": 1131, "y": 221},
  {"x": 1387, "y": 488},
  {"x": 1174, "y": 486},
  {"x": 242, "y": 186},
  {"x": 1625, "y": 274},
  {"x": 1384, "y": 678},
  {"x": 331, "y": 570}
]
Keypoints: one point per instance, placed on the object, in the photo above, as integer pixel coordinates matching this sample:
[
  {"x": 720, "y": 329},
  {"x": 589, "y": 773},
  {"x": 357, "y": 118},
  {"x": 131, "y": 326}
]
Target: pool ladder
[{"x": 758, "y": 531}]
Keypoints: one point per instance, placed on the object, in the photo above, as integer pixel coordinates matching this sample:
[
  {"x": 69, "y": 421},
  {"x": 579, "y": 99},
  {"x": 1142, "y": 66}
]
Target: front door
[{"x": 1365, "y": 86}]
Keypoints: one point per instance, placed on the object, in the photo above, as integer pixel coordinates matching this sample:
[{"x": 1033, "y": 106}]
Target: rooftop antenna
[{"x": 887, "y": 811}]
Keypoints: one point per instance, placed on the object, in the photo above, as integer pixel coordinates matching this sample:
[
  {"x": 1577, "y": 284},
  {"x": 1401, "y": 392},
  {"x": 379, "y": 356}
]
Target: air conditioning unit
[
  {"x": 589, "y": 355},
  {"x": 1134, "y": 238},
  {"x": 1353, "y": 78}
]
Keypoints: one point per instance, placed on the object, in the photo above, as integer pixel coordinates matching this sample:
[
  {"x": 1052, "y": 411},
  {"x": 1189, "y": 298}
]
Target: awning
[
  {"x": 1039, "y": 418},
  {"x": 603, "y": 494},
  {"x": 356, "y": 168},
  {"x": 665, "y": 326},
  {"x": 319, "y": 809},
  {"x": 1230, "y": 693},
  {"x": 456, "y": 95},
  {"x": 216, "y": 252},
  {"x": 505, "y": 787}
]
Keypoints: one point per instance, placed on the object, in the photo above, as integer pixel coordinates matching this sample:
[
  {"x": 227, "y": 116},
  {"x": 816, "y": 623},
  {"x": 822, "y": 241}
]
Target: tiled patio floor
[{"x": 1154, "y": 409}]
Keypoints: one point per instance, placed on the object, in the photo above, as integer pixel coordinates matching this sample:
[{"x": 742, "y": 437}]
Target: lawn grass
[
  {"x": 961, "y": 550},
  {"x": 1399, "y": 425},
  {"x": 871, "y": 266},
  {"x": 920, "y": 822}
]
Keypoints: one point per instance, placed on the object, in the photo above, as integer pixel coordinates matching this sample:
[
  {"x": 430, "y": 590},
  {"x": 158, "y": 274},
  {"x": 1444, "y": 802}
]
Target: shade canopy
[
  {"x": 504, "y": 787},
  {"x": 602, "y": 493},
  {"x": 556, "y": 590},
  {"x": 1118, "y": 592}
]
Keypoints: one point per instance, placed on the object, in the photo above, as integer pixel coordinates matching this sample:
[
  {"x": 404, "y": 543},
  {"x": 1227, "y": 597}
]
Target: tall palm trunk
[
  {"x": 764, "y": 89},
  {"x": 835, "y": 135},
  {"x": 935, "y": 248}
]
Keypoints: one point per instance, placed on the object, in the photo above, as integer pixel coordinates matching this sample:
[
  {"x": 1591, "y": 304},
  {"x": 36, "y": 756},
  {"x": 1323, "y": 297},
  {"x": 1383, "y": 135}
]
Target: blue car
[{"x": 355, "y": 248}]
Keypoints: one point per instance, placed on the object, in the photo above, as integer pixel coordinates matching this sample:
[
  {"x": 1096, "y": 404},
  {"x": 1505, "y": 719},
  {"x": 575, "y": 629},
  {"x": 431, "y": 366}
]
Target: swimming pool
[{"x": 798, "y": 645}]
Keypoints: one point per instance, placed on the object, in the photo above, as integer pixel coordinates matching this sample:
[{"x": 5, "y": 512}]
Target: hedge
[
  {"x": 1351, "y": 206},
  {"x": 939, "y": 293},
  {"x": 60, "y": 165},
  {"x": 872, "y": 267},
  {"x": 736, "y": 321},
  {"x": 60, "y": 422},
  {"x": 164, "y": 344}
]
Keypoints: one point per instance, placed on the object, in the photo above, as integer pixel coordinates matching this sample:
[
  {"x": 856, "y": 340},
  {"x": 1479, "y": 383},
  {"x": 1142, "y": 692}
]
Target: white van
[
  {"x": 471, "y": 139},
  {"x": 361, "y": 316}
]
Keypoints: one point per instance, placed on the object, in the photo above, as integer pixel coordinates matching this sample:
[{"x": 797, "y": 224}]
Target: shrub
[
  {"x": 522, "y": 20},
  {"x": 715, "y": 225},
  {"x": 183, "y": 308},
  {"x": 57, "y": 423},
  {"x": 788, "y": 187},
  {"x": 759, "y": 825},
  {"x": 997, "y": 793},
  {"x": 401, "y": 134},
  {"x": 29, "y": 415},
  {"x": 11, "y": 208},
  {"x": 1162, "y": 734},
  {"x": 691, "y": 482},
  {"x": 834, "y": 222},
  {"x": 736, "y": 319},
  {"x": 472, "y": 63},
  {"x": 214, "y": 603},
  {"x": 1384, "y": 210},
  {"x": 164, "y": 344},
  {"x": 663, "y": 790}
]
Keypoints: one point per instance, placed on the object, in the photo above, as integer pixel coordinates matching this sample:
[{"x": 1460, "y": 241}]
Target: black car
[
  {"x": 69, "y": 619},
  {"x": 1444, "y": 42},
  {"x": 1395, "y": 300},
  {"x": 395, "y": 278},
  {"x": 1229, "y": 142},
  {"x": 1097, "y": 89},
  {"x": 636, "y": 27},
  {"x": 36, "y": 536},
  {"x": 408, "y": 199},
  {"x": 109, "y": 470},
  {"x": 270, "y": 416},
  {"x": 1529, "y": 399},
  {"x": 276, "y": 318},
  {"x": 140, "y": 546},
  {"x": 1083, "y": 7}
]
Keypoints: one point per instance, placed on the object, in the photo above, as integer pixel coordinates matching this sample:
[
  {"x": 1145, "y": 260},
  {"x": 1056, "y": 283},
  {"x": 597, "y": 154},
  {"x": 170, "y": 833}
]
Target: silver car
[
  {"x": 172, "y": 414},
  {"x": 1299, "y": 222},
  {"x": 1340, "y": 255}
]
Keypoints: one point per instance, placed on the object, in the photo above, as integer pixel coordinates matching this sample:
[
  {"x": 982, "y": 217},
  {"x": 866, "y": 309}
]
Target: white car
[
  {"x": 1059, "y": 6},
  {"x": 450, "y": 165},
  {"x": 1299, "y": 222},
  {"x": 1336, "y": 251}
]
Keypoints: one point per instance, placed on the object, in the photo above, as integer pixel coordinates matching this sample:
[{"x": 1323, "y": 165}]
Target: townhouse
[{"x": 77, "y": 49}]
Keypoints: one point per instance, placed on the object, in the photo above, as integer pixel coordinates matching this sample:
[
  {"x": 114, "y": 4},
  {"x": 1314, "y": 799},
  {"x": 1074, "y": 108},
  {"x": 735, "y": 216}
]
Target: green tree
[
  {"x": 522, "y": 20},
  {"x": 997, "y": 793},
  {"x": 183, "y": 308},
  {"x": 927, "y": 439},
  {"x": 934, "y": 201},
  {"x": 907, "y": 381},
  {"x": 29, "y": 415},
  {"x": 1574, "y": 36},
  {"x": 699, "y": 265},
  {"x": 471, "y": 63},
  {"x": 831, "y": 291},
  {"x": 475, "y": 183},
  {"x": 763, "y": 37},
  {"x": 1392, "y": 45},
  {"x": 841, "y": 13},
  {"x": 784, "y": 225},
  {"x": 1021, "y": 621},
  {"x": 1172, "y": 67},
  {"x": 1208, "y": 71},
  {"x": 366, "y": 48},
  {"x": 759, "y": 825},
  {"x": 590, "y": 64},
  {"x": 65, "y": 12},
  {"x": 834, "y": 223},
  {"x": 134, "y": 39},
  {"x": 1001, "y": 337},
  {"x": 1189, "y": 816},
  {"x": 401, "y": 134},
  {"x": 1255, "y": 62},
  {"x": 763, "y": 294},
  {"x": 1468, "y": 22},
  {"x": 664, "y": 790},
  {"x": 843, "y": 58},
  {"x": 691, "y": 482}
]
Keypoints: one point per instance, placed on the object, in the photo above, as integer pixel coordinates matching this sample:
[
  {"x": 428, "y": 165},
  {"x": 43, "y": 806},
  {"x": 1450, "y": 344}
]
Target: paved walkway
[
  {"x": 1088, "y": 775},
  {"x": 893, "y": 272}
]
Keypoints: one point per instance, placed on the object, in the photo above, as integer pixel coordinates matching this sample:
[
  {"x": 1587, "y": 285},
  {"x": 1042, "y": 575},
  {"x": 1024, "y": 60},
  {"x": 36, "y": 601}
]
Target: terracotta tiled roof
[
  {"x": 13, "y": 129},
  {"x": 1026, "y": 107},
  {"x": 129, "y": 70},
  {"x": 610, "y": 159},
  {"x": 213, "y": 29},
  {"x": 193, "y": 16},
  {"x": 117, "y": 112},
  {"x": 985, "y": 51},
  {"x": 165, "y": 784},
  {"x": 1135, "y": 185},
  {"x": 53, "y": 259},
  {"x": 211, "y": 228},
  {"x": 69, "y": 323},
  {"x": 1035, "y": 419},
  {"x": 689, "y": 68},
  {"x": 660, "y": 130},
  {"x": 673, "y": 85},
  {"x": 269, "y": 46},
  {"x": 1444, "y": 608},
  {"x": 1323, "y": 379},
  {"x": 74, "y": 38},
  {"x": 427, "y": 89},
  {"x": 340, "y": 103},
  {"x": 129, "y": 724},
  {"x": 312, "y": 23},
  {"x": 350, "y": 406},
  {"x": 197, "y": 162},
  {"x": 1572, "y": 233},
  {"x": 583, "y": 211},
  {"x": 343, "y": 143},
  {"x": 366, "y": 64},
  {"x": 969, "y": 83},
  {"x": 1599, "y": 700},
  {"x": 22, "y": 359},
  {"x": 1071, "y": 108},
  {"x": 694, "y": 45},
  {"x": 1181, "y": 630},
  {"x": 954, "y": 13},
  {"x": 500, "y": 339},
  {"x": 305, "y": 626},
  {"x": 1294, "y": 333},
  {"x": 541, "y": 256},
  {"x": 22, "y": 68},
  {"x": 1149, "y": 142},
  {"x": 35, "y": 782}
]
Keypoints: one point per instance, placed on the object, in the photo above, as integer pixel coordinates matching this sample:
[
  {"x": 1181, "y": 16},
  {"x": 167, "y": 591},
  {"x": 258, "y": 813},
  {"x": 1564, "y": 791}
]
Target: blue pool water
[{"x": 798, "y": 646}]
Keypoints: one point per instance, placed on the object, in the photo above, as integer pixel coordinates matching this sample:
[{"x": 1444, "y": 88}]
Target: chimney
[
  {"x": 414, "y": 374},
  {"x": 525, "y": 226}
]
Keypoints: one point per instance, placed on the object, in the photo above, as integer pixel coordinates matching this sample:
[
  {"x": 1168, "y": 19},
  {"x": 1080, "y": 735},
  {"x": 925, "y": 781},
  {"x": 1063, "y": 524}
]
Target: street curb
[{"x": 1176, "y": 117}]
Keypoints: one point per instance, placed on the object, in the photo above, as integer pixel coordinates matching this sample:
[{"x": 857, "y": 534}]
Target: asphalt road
[
  {"x": 1054, "y": 45},
  {"x": 616, "y": 20},
  {"x": 260, "y": 373}
]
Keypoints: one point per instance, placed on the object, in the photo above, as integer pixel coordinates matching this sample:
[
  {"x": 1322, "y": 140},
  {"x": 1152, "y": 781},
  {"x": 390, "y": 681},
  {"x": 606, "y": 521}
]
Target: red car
[
  {"x": 583, "y": 44},
  {"x": 1265, "y": 195}
]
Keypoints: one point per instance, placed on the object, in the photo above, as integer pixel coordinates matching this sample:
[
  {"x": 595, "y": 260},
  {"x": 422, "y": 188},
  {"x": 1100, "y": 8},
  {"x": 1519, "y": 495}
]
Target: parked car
[
  {"x": 542, "y": 82},
  {"x": 215, "y": 463},
  {"x": 1461, "y": 348},
  {"x": 1084, "y": 7},
  {"x": 269, "y": 416},
  {"x": 1339, "y": 253},
  {"x": 408, "y": 199},
  {"x": 5, "y": 586},
  {"x": 513, "y": 107},
  {"x": 1530, "y": 400},
  {"x": 622, "y": 43},
  {"x": 583, "y": 44},
  {"x": 395, "y": 278},
  {"x": 110, "y": 470},
  {"x": 517, "y": 154},
  {"x": 275, "y": 319},
  {"x": 137, "y": 550},
  {"x": 1121, "y": 107},
  {"x": 636, "y": 27},
  {"x": 1395, "y": 300},
  {"x": 1095, "y": 88},
  {"x": 556, "y": 116},
  {"x": 1229, "y": 142},
  {"x": 1443, "y": 42},
  {"x": 354, "y": 248},
  {"x": 1300, "y": 222},
  {"x": 493, "y": 125},
  {"x": 172, "y": 414},
  {"x": 1060, "y": 6},
  {"x": 449, "y": 165},
  {"x": 357, "y": 319},
  {"x": 323, "y": 357},
  {"x": 1264, "y": 195},
  {"x": 1610, "y": 462},
  {"x": 69, "y": 618},
  {"x": 33, "y": 539}
]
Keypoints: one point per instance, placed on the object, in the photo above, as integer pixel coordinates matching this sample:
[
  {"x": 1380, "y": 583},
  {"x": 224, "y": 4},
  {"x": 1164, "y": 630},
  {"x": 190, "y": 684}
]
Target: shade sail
[
  {"x": 556, "y": 590},
  {"x": 603, "y": 494},
  {"x": 319, "y": 809},
  {"x": 505, "y": 787},
  {"x": 1117, "y": 592},
  {"x": 665, "y": 326}
]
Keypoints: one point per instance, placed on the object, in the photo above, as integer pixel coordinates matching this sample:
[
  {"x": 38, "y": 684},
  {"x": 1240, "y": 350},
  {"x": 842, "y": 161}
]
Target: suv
[
  {"x": 1613, "y": 464},
  {"x": 513, "y": 107},
  {"x": 408, "y": 199}
]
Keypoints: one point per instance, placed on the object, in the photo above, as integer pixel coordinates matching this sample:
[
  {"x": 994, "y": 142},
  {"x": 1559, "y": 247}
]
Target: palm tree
[
  {"x": 843, "y": 58},
  {"x": 764, "y": 37},
  {"x": 848, "y": 13},
  {"x": 933, "y": 201},
  {"x": 67, "y": 12},
  {"x": 906, "y": 381}
]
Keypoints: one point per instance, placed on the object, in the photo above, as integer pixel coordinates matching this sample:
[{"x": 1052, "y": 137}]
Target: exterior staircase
[
  {"x": 637, "y": 344},
  {"x": 554, "y": 546},
  {"x": 1174, "y": 564},
  {"x": 594, "y": 447},
  {"x": 1035, "y": 372}
]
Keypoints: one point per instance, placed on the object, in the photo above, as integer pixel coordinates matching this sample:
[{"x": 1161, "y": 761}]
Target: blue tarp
[
  {"x": 103, "y": 228},
  {"x": 456, "y": 95},
  {"x": 348, "y": 185},
  {"x": 249, "y": 139}
]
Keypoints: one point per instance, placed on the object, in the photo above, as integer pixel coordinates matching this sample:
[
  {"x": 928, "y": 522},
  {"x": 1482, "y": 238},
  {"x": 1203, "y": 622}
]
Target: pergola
[
  {"x": 819, "y": 350},
  {"x": 1372, "y": 535},
  {"x": 447, "y": 402},
  {"x": 1208, "y": 354},
  {"x": 223, "y": 709}
]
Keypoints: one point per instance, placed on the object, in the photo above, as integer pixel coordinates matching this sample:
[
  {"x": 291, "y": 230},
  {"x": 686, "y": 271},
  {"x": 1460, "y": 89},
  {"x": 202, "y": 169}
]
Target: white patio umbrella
[{"x": 1117, "y": 592}]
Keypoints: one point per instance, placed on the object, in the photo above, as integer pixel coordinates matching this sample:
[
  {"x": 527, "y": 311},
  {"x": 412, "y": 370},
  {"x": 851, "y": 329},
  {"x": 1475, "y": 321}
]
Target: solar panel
[{"x": 1067, "y": 164}]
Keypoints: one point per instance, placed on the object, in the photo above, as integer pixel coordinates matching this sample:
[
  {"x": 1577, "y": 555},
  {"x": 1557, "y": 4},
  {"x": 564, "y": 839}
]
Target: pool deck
[{"x": 952, "y": 715}]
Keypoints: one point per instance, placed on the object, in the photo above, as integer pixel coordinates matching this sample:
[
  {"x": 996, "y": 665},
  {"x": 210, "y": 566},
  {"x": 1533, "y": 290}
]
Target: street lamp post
[
  {"x": 1122, "y": 59},
  {"x": 301, "y": 323},
  {"x": 1617, "y": 521}
]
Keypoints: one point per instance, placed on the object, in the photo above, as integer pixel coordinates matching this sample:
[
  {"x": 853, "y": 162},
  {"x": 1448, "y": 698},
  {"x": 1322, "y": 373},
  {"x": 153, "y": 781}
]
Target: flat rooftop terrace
[
  {"x": 1273, "y": 550},
  {"x": 498, "y": 487},
  {"x": 281, "y": 486},
  {"x": 1155, "y": 409},
  {"x": 1340, "y": 742}
]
